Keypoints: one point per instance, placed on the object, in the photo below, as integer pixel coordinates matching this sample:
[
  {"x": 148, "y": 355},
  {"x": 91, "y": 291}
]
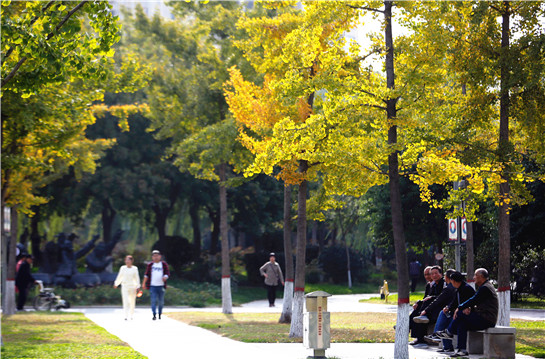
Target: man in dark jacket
[
  {"x": 23, "y": 280},
  {"x": 435, "y": 290},
  {"x": 477, "y": 313},
  {"x": 447, "y": 295},
  {"x": 463, "y": 292}
]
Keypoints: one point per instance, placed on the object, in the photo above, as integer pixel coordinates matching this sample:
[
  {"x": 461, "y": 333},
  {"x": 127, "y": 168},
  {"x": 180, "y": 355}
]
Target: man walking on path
[
  {"x": 414, "y": 273},
  {"x": 155, "y": 279}
]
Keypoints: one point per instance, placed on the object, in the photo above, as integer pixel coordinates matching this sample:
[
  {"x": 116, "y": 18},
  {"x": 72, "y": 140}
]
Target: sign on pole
[
  {"x": 452, "y": 230},
  {"x": 464, "y": 228}
]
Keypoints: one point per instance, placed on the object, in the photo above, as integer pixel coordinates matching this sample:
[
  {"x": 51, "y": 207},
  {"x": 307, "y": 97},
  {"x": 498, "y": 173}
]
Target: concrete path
[{"x": 168, "y": 338}]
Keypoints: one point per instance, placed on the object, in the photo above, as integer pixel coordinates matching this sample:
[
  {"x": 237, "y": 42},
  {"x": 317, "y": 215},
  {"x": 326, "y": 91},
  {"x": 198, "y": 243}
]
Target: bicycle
[{"x": 46, "y": 299}]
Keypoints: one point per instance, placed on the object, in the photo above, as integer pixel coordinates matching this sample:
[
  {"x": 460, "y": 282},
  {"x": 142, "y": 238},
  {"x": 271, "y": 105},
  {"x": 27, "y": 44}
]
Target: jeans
[
  {"x": 442, "y": 323},
  {"x": 157, "y": 294},
  {"x": 463, "y": 323}
]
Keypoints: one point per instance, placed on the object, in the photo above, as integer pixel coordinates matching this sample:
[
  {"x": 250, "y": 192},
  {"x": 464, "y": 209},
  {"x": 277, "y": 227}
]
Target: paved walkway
[{"x": 168, "y": 338}]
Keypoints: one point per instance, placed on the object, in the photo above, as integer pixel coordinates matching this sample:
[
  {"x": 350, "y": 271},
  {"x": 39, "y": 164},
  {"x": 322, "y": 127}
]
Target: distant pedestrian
[
  {"x": 155, "y": 279},
  {"x": 414, "y": 273},
  {"x": 23, "y": 280},
  {"x": 129, "y": 279},
  {"x": 273, "y": 277}
]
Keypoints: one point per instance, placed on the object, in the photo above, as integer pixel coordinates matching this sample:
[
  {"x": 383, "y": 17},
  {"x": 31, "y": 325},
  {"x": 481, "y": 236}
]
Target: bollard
[{"x": 316, "y": 324}]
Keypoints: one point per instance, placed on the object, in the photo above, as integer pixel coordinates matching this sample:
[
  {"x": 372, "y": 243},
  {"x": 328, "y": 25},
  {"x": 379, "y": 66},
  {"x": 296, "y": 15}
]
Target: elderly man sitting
[
  {"x": 477, "y": 313},
  {"x": 436, "y": 288}
]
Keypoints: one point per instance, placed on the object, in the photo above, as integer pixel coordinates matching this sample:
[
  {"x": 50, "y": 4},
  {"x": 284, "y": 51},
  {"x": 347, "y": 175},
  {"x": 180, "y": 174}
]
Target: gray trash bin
[{"x": 316, "y": 324}]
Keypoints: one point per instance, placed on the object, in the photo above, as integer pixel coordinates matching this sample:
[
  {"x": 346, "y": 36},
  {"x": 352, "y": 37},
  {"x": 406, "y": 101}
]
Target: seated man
[
  {"x": 477, "y": 313},
  {"x": 463, "y": 292},
  {"x": 435, "y": 290},
  {"x": 446, "y": 297}
]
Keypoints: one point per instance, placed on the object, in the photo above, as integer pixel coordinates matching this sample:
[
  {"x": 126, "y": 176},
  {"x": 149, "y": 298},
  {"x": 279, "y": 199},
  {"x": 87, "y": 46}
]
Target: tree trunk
[
  {"x": 314, "y": 236},
  {"x": 227, "y": 306},
  {"x": 401, "y": 350},
  {"x": 285, "y": 317},
  {"x": 9, "y": 302},
  {"x": 160, "y": 224},
  {"x": 347, "y": 262},
  {"x": 35, "y": 238},
  {"x": 470, "y": 259},
  {"x": 296, "y": 329},
  {"x": 108, "y": 215},
  {"x": 504, "y": 266},
  {"x": 195, "y": 224},
  {"x": 214, "y": 236}
]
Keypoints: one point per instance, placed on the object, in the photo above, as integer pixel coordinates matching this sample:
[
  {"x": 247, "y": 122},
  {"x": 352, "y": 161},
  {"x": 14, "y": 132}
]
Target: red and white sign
[
  {"x": 464, "y": 229},
  {"x": 452, "y": 229},
  {"x": 320, "y": 333}
]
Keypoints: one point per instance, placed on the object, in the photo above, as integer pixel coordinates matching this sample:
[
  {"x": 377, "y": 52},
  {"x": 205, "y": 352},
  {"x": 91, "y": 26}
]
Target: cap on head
[
  {"x": 155, "y": 252},
  {"x": 272, "y": 254}
]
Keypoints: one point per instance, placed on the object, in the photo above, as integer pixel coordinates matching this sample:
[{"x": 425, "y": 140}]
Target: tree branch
[
  {"x": 365, "y": 8},
  {"x": 63, "y": 21},
  {"x": 53, "y": 33}
]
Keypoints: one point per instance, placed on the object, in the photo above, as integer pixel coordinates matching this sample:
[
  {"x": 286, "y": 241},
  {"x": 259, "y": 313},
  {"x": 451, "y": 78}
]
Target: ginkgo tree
[
  {"x": 495, "y": 49},
  {"x": 349, "y": 137}
]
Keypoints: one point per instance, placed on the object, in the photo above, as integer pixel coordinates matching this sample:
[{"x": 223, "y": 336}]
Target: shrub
[
  {"x": 186, "y": 294},
  {"x": 333, "y": 262}
]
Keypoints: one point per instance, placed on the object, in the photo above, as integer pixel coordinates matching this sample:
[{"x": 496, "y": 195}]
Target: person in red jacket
[{"x": 155, "y": 279}]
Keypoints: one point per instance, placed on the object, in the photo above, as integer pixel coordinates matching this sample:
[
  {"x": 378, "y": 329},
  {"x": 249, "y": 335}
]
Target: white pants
[{"x": 128, "y": 294}]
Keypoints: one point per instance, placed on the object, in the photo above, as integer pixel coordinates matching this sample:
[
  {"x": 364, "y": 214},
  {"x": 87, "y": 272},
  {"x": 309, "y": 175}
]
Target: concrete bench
[{"x": 496, "y": 342}]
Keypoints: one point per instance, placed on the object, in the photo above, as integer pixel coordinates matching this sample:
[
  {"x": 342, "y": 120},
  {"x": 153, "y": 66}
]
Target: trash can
[{"x": 316, "y": 324}]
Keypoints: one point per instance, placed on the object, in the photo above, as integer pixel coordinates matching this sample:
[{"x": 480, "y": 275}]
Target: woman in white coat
[{"x": 129, "y": 279}]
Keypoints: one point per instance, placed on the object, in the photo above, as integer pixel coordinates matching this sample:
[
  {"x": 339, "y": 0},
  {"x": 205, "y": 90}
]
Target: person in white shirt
[
  {"x": 155, "y": 279},
  {"x": 129, "y": 279}
]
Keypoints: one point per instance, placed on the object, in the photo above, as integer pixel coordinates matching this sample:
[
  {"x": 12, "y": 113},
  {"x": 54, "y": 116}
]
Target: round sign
[{"x": 439, "y": 256}]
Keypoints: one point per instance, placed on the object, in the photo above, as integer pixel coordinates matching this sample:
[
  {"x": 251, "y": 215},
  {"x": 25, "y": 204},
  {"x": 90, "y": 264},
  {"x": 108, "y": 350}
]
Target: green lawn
[
  {"x": 54, "y": 335},
  {"x": 345, "y": 328},
  {"x": 392, "y": 299},
  {"x": 264, "y": 327}
]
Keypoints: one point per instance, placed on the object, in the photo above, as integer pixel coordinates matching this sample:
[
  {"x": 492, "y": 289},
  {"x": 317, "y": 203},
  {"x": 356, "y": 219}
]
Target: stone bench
[{"x": 497, "y": 342}]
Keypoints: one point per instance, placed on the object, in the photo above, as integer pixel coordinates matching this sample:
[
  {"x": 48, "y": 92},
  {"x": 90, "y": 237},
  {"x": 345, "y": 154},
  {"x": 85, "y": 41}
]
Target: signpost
[{"x": 457, "y": 230}]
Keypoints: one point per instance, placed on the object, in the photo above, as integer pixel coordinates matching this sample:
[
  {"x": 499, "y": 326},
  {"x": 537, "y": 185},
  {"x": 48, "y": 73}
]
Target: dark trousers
[
  {"x": 463, "y": 323},
  {"x": 414, "y": 281},
  {"x": 271, "y": 293},
  {"x": 419, "y": 330},
  {"x": 21, "y": 299}
]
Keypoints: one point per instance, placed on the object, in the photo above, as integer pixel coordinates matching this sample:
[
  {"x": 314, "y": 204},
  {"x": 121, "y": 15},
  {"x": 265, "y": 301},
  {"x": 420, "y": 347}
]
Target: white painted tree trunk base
[
  {"x": 226, "y": 301},
  {"x": 296, "y": 328},
  {"x": 401, "y": 348},
  {"x": 287, "y": 304},
  {"x": 504, "y": 312},
  {"x": 9, "y": 301}
]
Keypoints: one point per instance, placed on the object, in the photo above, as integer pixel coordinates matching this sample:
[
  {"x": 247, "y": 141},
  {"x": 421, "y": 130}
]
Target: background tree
[
  {"x": 494, "y": 129},
  {"x": 52, "y": 69},
  {"x": 189, "y": 106}
]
